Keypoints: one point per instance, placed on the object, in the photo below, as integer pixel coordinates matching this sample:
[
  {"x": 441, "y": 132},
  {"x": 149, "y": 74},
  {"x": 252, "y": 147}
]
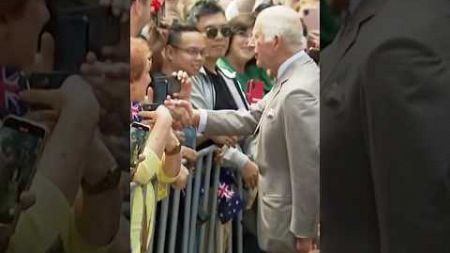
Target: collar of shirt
[{"x": 285, "y": 65}]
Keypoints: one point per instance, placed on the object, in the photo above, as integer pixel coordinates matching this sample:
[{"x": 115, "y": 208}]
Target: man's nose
[{"x": 251, "y": 42}]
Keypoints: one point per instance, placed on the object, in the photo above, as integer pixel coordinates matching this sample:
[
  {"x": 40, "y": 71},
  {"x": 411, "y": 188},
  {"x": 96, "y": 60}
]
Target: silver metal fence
[{"x": 196, "y": 236}]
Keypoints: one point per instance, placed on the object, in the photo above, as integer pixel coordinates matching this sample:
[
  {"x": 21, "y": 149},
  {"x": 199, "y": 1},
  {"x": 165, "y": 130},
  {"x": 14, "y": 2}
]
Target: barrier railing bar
[
  {"x": 193, "y": 226},
  {"x": 174, "y": 220},
  {"x": 163, "y": 224},
  {"x": 187, "y": 214},
  {"x": 206, "y": 197},
  {"x": 212, "y": 218},
  {"x": 150, "y": 247}
]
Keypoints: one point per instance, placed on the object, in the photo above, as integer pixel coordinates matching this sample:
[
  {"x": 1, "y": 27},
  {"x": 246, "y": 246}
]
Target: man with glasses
[{"x": 185, "y": 50}]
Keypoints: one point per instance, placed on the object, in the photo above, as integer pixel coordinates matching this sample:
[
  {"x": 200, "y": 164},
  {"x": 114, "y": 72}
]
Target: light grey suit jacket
[{"x": 287, "y": 154}]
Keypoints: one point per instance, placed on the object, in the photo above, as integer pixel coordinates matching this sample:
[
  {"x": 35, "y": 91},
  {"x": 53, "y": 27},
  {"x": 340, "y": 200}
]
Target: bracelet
[{"x": 174, "y": 151}]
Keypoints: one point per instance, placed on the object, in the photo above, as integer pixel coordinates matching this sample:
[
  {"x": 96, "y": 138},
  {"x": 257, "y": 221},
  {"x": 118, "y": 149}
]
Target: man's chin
[{"x": 259, "y": 64}]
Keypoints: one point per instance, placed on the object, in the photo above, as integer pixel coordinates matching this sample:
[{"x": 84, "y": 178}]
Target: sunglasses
[{"x": 212, "y": 32}]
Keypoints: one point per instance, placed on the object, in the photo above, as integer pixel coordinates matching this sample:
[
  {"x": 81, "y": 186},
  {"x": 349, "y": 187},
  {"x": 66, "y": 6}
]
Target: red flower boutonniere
[{"x": 155, "y": 5}]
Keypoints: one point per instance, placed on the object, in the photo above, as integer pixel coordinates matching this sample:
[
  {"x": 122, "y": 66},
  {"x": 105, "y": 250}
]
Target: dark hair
[
  {"x": 176, "y": 30},
  {"x": 241, "y": 22},
  {"x": 262, "y": 6},
  {"x": 203, "y": 8}
]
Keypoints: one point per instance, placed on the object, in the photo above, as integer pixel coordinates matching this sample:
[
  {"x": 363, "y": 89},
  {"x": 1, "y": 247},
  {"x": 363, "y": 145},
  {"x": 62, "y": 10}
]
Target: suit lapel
[
  {"x": 279, "y": 84},
  {"x": 348, "y": 33},
  {"x": 273, "y": 95}
]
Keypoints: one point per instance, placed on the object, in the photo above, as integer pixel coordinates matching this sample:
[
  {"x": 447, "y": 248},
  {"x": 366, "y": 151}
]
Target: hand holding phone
[
  {"x": 163, "y": 86},
  {"x": 21, "y": 143},
  {"x": 138, "y": 137}
]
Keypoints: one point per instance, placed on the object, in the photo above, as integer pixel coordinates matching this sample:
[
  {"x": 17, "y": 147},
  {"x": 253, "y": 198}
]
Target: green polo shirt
[{"x": 251, "y": 72}]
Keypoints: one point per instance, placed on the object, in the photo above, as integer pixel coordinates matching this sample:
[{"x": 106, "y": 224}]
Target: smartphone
[
  {"x": 21, "y": 143},
  {"x": 255, "y": 91},
  {"x": 150, "y": 107},
  {"x": 163, "y": 86},
  {"x": 47, "y": 80},
  {"x": 138, "y": 137}
]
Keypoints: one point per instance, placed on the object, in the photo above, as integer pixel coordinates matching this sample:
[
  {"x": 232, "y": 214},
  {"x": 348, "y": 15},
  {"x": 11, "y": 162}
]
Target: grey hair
[{"x": 284, "y": 22}]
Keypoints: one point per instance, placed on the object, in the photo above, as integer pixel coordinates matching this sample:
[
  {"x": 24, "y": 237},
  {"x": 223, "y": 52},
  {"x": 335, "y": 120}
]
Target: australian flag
[
  {"x": 12, "y": 81},
  {"x": 229, "y": 200}
]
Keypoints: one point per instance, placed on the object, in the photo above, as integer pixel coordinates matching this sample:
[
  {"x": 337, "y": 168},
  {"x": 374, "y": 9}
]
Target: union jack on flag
[
  {"x": 224, "y": 191},
  {"x": 229, "y": 200},
  {"x": 11, "y": 83},
  {"x": 135, "y": 109}
]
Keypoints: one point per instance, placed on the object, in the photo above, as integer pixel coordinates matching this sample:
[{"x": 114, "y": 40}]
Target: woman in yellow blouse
[{"x": 162, "y": 158}]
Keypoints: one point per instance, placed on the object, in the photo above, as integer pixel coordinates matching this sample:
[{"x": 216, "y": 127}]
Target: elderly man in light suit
[{"x": 286, "y": 124}]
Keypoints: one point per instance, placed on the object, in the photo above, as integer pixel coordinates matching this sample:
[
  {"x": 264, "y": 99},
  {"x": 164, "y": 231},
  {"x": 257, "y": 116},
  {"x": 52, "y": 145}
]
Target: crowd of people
[
  {"x": 249, "y": 84},
  {"x": 247, "y": 79}
]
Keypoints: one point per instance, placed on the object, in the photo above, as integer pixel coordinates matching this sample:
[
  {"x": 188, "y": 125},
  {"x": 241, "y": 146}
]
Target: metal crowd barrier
[{"x": 195, "y": 234}]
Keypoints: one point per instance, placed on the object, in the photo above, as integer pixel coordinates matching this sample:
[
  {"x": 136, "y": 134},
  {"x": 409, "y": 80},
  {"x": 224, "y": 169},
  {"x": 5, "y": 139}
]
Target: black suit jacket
[{"x": 385, "y": 130}]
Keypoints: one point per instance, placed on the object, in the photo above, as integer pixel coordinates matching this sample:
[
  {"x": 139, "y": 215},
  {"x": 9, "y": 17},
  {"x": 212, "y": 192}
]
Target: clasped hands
[{"x": 180, "y": 111}]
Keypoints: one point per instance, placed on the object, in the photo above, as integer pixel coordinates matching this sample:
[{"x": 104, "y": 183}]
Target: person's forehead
[
  {"x": 216, "y": 19},
  {"x": 193, "y": 37}
]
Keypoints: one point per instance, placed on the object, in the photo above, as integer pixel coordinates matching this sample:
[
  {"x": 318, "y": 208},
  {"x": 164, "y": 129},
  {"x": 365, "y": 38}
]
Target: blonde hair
[{"x": 139, "y": 53}]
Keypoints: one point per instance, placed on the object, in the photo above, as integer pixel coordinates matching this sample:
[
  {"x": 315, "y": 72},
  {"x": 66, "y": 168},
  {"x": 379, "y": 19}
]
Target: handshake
[{"x": 178, "y": 111}]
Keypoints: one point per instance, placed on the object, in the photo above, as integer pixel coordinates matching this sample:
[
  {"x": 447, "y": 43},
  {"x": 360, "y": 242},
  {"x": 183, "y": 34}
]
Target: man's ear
[
  {"x": 276, "y": 42},
  {"x": 169, "y": 53}
]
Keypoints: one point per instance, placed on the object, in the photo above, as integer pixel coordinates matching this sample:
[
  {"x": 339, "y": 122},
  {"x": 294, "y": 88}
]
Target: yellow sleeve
[
  {"x": 146, "y": 169},
  {"x": 162, "y": 191}
]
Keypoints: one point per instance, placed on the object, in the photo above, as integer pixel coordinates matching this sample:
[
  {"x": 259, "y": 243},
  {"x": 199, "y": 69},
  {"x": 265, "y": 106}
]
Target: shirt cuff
[{"x": 203, "y": 114}]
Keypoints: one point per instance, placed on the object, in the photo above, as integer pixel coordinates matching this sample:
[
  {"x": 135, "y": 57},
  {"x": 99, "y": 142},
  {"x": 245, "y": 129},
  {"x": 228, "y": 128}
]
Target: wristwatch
[
  {"x": 175, "y": 150},
  {"x": 108, "y": 182}
]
